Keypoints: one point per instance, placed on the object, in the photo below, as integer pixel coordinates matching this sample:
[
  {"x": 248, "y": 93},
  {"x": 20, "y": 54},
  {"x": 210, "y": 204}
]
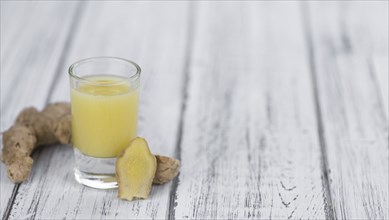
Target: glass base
[
  {"x": 97, "y": 181},
  {"x": 95, "y": 172}
]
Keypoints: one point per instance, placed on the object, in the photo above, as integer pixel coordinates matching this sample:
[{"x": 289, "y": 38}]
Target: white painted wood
[
  {"x": 380, "y": 67},
  {"x": 349, "y": 40},
  {"x": 250, "y": 145},
  {"x": 33, "y": 35},
  {"x": 154, "y": 35},
  {"x": 366, "y": 27}
]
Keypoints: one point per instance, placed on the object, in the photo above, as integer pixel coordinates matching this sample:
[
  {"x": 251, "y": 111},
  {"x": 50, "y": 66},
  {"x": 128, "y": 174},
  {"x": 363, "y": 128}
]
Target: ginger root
[
  {"x": 167, "y": 169},
  {"x": 53, "y": 125},
  {"x": 135, "y": 170},
  {"x": 31, "y": 130}
]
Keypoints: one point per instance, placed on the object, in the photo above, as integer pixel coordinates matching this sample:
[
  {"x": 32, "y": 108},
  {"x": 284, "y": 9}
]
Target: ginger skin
[
  {"x": 31, "y": 130},
  {"x": 167, "y": 169}
]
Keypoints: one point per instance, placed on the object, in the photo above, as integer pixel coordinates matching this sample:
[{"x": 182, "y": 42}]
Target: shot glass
[{"x": 104, "y": 101}]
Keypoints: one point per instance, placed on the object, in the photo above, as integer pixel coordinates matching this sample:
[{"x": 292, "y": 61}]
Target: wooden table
[{"x": 277, "y": 110}]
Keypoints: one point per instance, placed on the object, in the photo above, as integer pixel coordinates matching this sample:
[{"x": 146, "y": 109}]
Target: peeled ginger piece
[{"x": 135, "y": 170}]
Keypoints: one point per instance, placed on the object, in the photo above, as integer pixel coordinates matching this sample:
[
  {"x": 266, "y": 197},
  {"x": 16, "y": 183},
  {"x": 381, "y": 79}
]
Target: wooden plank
[
  {"x": 366, "y": 31},
  {"x": 250, "y": 147},
  {"x": 155, "y": 36},
  {"x": 379, "y": 68},
  {"x": 31, "y": 47},
  {"x": 346, "y": 39}
]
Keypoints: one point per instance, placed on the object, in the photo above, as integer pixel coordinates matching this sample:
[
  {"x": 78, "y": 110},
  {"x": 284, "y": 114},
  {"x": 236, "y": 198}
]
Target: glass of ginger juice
[{"x": 104, "y": 102}]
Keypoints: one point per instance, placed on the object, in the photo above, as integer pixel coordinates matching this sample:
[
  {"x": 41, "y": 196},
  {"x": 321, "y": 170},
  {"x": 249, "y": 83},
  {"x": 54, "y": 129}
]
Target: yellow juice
[{"x": 104, "y": 115}]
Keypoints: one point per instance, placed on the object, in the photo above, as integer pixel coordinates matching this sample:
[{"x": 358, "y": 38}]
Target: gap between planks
[
  {"x": 329, "y": 210},
  {"x": 69, "y": 39},
  {"x": 185, "y": 91}
]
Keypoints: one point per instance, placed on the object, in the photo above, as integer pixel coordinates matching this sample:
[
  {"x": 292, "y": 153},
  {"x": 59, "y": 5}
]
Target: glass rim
[{"x": 86, "y": 60}]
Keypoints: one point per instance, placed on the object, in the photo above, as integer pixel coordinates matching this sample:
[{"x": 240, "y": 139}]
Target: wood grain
[
  {"x": 155, "y": 36},
  {"x": 278, "y": 110},
  {"x": 348, "y": 41},
  {"x": 250, "y": 146},
  {"x": 31, "y": 47}
]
